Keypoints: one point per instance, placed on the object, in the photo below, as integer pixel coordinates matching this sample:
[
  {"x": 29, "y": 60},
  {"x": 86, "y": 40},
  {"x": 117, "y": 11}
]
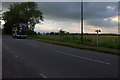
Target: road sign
[
  {"x": 98, "y": 31},
  {"x": 97, "y": 36}
]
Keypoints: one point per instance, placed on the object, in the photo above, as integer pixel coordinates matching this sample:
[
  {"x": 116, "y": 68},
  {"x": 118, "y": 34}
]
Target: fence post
[
  {"x": 97, "y": 39},
  {"x": 93, "y": 40}
]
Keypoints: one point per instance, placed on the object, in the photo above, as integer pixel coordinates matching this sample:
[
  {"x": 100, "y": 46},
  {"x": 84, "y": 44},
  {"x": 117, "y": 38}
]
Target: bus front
[{"x": 21, "y": 30}]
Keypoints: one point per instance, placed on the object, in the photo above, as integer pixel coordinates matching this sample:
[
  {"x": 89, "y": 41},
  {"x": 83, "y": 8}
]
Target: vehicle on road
[{"x": 19, "y": 30}]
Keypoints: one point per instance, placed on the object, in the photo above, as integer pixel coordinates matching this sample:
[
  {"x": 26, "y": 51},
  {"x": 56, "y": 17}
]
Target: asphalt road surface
[{"x": 25, "y": 58}]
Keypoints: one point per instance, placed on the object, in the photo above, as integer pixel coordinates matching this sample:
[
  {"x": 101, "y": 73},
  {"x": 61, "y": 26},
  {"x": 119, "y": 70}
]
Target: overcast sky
[{"x": 66, "y": 16}]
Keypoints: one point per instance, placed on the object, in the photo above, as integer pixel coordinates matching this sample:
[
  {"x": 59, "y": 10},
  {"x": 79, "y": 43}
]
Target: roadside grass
[{"x": 107, "y": 44}]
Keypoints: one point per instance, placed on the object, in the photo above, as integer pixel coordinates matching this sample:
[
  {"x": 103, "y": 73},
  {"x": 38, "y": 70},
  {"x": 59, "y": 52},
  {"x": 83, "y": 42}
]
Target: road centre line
[{"x": 82, "y": 57}]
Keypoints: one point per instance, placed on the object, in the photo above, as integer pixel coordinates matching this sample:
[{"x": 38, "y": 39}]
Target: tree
[
  {"x": 52, "y": 33},
  {"x": 39, "y": 33},
  {"x": 25, "y": 12},
  {"x": 62, "y": 33}
]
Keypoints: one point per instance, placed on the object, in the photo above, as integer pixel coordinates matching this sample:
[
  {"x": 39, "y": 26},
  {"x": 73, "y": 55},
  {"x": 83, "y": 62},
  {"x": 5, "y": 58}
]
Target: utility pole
[{"x": 82, "y": 20}]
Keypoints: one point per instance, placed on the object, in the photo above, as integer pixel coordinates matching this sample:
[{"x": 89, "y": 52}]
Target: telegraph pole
[{"x": 82, "y": 20}]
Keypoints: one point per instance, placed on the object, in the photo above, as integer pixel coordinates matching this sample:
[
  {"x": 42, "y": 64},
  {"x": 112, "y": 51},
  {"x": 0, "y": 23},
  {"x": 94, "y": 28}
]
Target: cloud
[
  {"x": 114, "y": 18},
  {"x": 5, "y": 5},
  {"x": 99, "y": 14},
  {"x": 67, "y": 15},
  {"x": 94, "y": 12},
  {"x": 55, "y": 26},
  {"x": 60, "y": 10},
  {"x": 102, "y": 22},
  {"x": 97, "y": 10}
]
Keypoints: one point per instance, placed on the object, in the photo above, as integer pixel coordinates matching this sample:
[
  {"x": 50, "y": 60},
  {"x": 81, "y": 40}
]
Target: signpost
[{"x": 98, "y": 36}]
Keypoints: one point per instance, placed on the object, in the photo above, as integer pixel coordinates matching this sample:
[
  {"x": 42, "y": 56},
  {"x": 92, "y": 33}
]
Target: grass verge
[{"x": 80, "y": 46}]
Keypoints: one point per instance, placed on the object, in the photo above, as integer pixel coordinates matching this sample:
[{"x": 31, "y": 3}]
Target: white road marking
[
  {"x": 83, "y": 57},
  {"x": 10, "y": 51},
  {"x": 43, "y": 75}
]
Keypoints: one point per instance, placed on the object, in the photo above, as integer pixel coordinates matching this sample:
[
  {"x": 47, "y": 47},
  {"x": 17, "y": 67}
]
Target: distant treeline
[{"x": 61, "y": 32}]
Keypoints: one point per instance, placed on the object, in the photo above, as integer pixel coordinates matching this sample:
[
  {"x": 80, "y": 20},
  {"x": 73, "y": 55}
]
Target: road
[{"x": 38, "y": 59}]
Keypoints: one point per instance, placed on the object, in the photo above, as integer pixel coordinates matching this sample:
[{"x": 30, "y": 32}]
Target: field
[{"x": 105, "y": 41}]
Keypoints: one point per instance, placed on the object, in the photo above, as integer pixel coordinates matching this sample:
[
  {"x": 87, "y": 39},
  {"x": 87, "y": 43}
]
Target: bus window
[
  {"x": 22, "y": 25},
  {"x": 18, "y": 25}
]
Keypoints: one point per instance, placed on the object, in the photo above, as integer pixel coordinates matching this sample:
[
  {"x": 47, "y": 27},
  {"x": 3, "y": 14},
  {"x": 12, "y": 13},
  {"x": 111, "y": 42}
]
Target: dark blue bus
[{"x": 19, "y": 30}]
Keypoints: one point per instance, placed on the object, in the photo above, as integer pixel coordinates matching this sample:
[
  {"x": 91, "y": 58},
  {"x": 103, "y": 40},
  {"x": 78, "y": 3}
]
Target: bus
[{"x": 19, "y": 30}]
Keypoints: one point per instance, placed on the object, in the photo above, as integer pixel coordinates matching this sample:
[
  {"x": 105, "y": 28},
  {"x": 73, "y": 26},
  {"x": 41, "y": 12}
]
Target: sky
[{"x": 66, "y": 16}]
